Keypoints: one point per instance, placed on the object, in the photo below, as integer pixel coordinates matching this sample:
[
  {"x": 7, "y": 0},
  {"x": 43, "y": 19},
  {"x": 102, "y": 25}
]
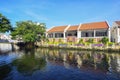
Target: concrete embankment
[{"x": 5, "y": 47}]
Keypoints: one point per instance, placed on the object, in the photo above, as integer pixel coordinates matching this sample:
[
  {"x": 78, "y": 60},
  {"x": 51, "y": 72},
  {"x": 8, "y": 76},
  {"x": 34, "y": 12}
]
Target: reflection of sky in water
[{"x": 8, "y": 58}]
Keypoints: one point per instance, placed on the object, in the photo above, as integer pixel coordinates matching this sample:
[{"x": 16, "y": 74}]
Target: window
[
  {"x": 58, "y": 35},
  {"x": 101, "y": 33},
  {"x": 87, "y": 34},
  {"x": 69, "y": 34},
  {"x": 75, "y": 34},
  {"x": 50, "y": 35}
]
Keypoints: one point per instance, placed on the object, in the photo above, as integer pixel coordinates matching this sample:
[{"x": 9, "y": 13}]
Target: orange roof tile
[
  {"x": 57, "y": 29},
  {"x": 73, "y": 28},
  {"x": 118, "y": 22},
  {"x": 94, "y": 25}
]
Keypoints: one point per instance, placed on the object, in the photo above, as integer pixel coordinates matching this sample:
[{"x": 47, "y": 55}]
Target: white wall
[{"x": 115, "y": 33}]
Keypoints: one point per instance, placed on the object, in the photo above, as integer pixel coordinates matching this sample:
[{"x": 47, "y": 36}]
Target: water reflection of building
[
  {"x": 115, "y": 62},
  {"x": 79, "y": 61},
  {"x": 118, "y": 62},
  {"x": 96, "y": 61}
]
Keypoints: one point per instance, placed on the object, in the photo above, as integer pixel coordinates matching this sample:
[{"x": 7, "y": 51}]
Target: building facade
[
  {"x": 73, "y": 33},
  {"x": 115, "y": 32}
]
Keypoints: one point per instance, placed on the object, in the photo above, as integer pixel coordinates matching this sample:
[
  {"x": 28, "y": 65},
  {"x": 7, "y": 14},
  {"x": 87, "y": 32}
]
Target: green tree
[
  {"x": 105, "y": 40},
  {"x": 5, "y": 24},
  {"x": 30, "y": 32},
  {"x": 81, "y": 41},
  {"x": 90, "y": 40}
]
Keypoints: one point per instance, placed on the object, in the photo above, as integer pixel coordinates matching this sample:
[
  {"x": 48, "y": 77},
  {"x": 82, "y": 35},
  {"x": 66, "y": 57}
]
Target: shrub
[
  {"x": 110, "y": 44},
  {"x": 90, "y": 40},
  {"x": 60, "y": 40},
  {"x": 86, "y": 43},
  {"x": 50, "y": 42},
  {"x": 80, "y": 41},
  {"x": 105, "y": 40},
  {"x": 53, "y": 40}
]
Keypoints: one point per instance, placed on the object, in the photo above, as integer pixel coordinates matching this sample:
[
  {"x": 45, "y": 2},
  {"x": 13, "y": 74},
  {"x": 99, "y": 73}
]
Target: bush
[
  {"x": 110, "y": 44},
  {"x": 105, "y": 40},
  {"x": 90, "y": 40},
  {"x": 53, "y": 40},
  {"x": 60, "y": 40},
  {"x": 80, "y": 41},
  {"x": 86, "y": 43}
]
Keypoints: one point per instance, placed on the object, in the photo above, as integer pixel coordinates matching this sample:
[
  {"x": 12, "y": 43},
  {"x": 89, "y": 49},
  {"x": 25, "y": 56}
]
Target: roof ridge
[
  {"x": 93, "y": 22},
  {"x": 117, "y": 22},
  {"x": 73, "y": 27},
  {"x": 67, "y": 28},
  {"x": 94, "y": 25},
  {"x": 61, "y": 26},
  {"x": 79, "y": 26}
]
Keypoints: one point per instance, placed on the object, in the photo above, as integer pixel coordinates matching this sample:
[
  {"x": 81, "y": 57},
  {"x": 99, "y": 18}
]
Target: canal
[{"x": 47, "y": 64}]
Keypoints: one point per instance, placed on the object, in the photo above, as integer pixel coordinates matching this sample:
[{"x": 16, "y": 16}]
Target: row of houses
[{"x": 85, "y": 31}]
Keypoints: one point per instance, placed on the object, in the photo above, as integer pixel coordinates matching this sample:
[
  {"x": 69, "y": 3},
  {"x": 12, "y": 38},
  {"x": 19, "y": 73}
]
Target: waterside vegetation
[
  {"x": 90, "y": 45},
  {"x": 29, "y": 32}
]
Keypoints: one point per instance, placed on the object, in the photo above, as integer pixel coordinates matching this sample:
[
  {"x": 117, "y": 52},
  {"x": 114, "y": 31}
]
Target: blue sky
[{"x": 61, "y": 12}]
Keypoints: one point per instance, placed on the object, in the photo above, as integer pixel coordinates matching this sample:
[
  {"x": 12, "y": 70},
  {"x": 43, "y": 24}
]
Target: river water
[{"x": 50, "y": 64}]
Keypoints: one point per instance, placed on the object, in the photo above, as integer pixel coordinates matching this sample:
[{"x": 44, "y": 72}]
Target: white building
[
  {"x": 73, "y": 33},
  {"x": 4, "y": 37},
  {"x": 115, "y": 32}
]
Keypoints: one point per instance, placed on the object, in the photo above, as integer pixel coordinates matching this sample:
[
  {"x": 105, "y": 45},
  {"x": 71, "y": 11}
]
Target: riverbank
[
  {"x": 6, "y": 47},
  {"x": 102, "y": 49}
]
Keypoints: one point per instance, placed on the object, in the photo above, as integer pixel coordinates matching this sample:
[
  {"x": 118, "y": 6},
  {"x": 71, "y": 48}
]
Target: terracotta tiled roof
[
  {"x": 118, "y": 22},
  {"x": 73, "y": 28},
  {"x": 94, "y": 25},
  {"x": 57, "y": 29}
]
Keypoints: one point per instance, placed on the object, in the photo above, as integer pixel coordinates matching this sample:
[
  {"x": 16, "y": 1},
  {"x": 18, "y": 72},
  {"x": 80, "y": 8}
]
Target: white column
[
  {"x": 65, "y": 30},
  {"x": 53, "y": 35},
  {"x": 79, "y": 34},
  {"x": 109, "y": 33}
]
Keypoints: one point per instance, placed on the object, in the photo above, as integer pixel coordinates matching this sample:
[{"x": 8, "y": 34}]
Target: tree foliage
[
  {"x": 5, "y": 24},
  {"x": 29, "y": 31},
  {"x": 105, "y": 40},
  {"x": 81, "y": 41},
  {"x": 90, "y": 40}
]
